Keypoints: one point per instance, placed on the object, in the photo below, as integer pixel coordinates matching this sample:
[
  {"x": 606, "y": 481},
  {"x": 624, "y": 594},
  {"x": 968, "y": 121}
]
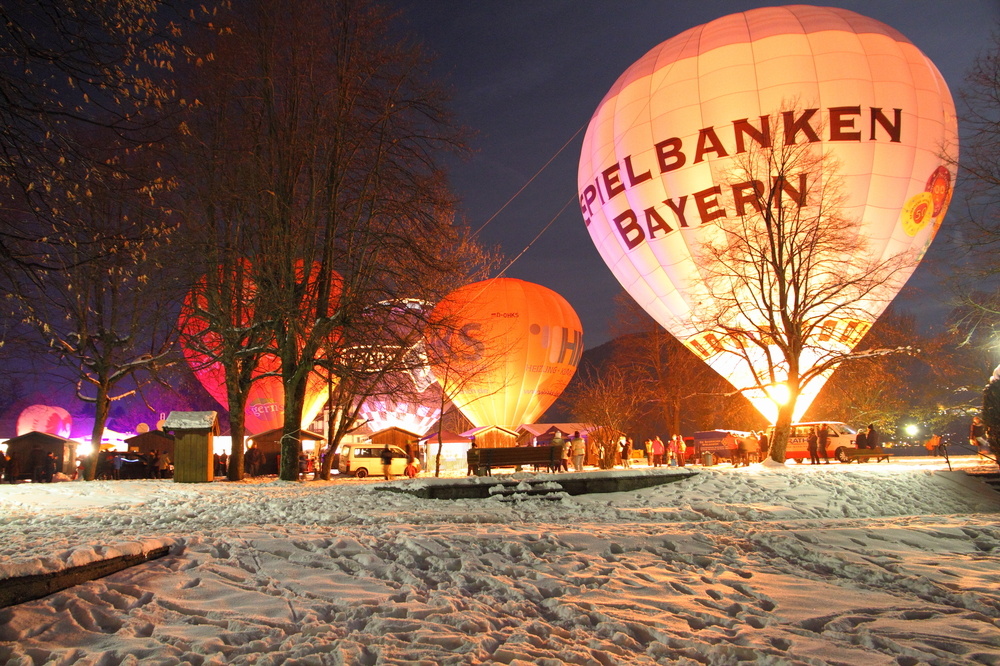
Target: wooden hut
[
  {"x": 454, "y": 448},
  {"x": 153, "y": 440},
  {"x": 492, "y": 437},
  {"x": 194, "y": 434},
  {"x": 269, "y": 445},
  {"x": 541, "y": 434},
  {"x": 404, "y": 439},
  {"x": 63, "y": 449}
]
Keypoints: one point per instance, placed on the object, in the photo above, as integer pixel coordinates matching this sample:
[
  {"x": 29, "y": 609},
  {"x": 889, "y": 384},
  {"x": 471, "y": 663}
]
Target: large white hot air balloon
[{"x": 656, "y": 157}]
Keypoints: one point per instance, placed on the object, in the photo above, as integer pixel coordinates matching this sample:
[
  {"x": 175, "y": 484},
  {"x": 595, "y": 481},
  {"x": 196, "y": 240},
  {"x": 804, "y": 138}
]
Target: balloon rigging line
[
  {"x": 530, "y": 180},
  {"x": 538, "y": 235},
  {"x": 555, "y": 217}
]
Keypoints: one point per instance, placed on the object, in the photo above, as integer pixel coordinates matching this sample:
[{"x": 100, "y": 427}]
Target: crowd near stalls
[
  {"x": 39, "y": 456},
  {"x": 42, "y": 457},
  {"x": 265, "y": 458}
]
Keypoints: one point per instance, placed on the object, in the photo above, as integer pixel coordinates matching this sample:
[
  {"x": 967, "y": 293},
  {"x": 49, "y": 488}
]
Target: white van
[
  {"x": 361, "y": 460},
  {"x": 841, "y": 437}
]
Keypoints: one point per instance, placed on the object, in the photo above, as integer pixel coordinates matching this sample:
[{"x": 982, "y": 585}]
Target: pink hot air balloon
[
  {"x": 44, "y": 418},
  {"x": 652, "y": 174}
]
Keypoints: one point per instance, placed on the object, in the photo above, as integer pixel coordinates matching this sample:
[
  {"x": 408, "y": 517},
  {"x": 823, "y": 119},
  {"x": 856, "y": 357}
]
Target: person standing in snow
[
  {"x": 579, "y": 447},
  {"x": 387, "y": 463},
  {"x": 252, "y": 460},
  {"x": 681, "y": 450},
  {"x": 824, "y": 441},
  {"x": 763, "y": 443},
  {"x": 752, "y": 448},
  {"x": 743, "y": 451},
  {"x": 732, "y": 450},
  {"x": 164, "y": 464},
  {"x": 813, "y": 444},
  {"x": 672, "y": 452},
  {"x": 468, "y": 456},
  {"x": 626, "y": 444},
  {"x": 50, "y": 468},
  {"x": 658, "y": 451}
]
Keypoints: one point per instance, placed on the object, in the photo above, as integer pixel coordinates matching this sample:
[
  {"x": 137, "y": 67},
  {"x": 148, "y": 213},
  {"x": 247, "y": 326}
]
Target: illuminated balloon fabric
[
  {"x": 417, "y": 407},
  {"x": 668, "y": 130},
  {"x": 265, "y": 401},
  {"x": 416, "y": 416},
  {"x": 517, "y": 347},
  {"x": 44, "y": 418}
]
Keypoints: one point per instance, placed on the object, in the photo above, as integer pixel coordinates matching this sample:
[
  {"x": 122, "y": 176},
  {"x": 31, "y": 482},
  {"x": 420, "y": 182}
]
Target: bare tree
[
  {"x": 975, "y": 274},
  {"x": 103, "y": 313},
  {"x": 885, "y": 388},
  {"x": 786, "y": 269},
  {"x": 608, "y": 404},
  {"x": 337, "y": 130},
  {"x": 86, "y": 93},
  {"x": 672, "y": 380}
]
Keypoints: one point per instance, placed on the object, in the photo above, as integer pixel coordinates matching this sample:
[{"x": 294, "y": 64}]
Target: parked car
[
  {"x": 841, "y": 438},
  {"x": 362, "y": 460}
]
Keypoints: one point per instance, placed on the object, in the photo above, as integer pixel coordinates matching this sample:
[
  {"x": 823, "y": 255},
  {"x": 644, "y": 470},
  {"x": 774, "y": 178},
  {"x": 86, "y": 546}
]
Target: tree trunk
[
  {"x": 237, "y": 429},
  {"x": 782, "y": 429},
  {"x": 102, "y": 405},
  {"x": 291, "y": 439}
]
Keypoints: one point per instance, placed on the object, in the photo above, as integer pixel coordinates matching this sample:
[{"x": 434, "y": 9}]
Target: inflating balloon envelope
[
  {"x": 407, "y": 394},
  {"x": 202, "y": 344},
  {"x": 504, "y": 349},
  {"x": 659, "y": 181}
]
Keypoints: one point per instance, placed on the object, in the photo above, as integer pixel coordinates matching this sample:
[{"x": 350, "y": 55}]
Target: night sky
[{"x": 527, "y": 76}]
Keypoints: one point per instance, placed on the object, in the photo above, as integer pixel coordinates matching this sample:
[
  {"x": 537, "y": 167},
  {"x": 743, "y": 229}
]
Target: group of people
[
  {"x": 672, "y": 454},
  {"x": 41, "y": 465},
  {"x": 749, "y": 448},
  {"x": 221, "y": 463},
  {"x": 574, "y": 451}
]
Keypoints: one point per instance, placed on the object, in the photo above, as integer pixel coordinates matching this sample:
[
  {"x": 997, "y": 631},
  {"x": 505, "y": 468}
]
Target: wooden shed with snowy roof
[
  {"x": 194, "y": 434},
  {"x": 61, "y": 448}
]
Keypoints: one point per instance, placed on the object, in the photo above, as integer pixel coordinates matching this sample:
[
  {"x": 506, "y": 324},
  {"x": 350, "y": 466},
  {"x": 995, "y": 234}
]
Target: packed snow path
[{"x": 888, "y": 564}]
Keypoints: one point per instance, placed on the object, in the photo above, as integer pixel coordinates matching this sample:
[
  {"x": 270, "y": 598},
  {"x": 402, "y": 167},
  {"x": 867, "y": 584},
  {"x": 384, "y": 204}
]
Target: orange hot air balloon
[
  {"x": 265, "y": 402},
  {"x": 654, "y": 162},
  {"x": 506, "y": 349}
]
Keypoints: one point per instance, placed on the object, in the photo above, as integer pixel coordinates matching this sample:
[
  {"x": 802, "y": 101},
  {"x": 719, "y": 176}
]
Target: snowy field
[{"x": 831, "y": 564}]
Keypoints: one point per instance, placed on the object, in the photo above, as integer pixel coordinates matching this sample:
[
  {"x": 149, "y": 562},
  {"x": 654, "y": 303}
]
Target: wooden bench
[
  {"x": 483, "y": 460},
  {"x": 864, "y": 455}
]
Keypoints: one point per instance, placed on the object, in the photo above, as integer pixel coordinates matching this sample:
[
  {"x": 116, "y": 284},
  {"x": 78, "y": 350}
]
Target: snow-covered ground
[{"x": 832, "y": 564}]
